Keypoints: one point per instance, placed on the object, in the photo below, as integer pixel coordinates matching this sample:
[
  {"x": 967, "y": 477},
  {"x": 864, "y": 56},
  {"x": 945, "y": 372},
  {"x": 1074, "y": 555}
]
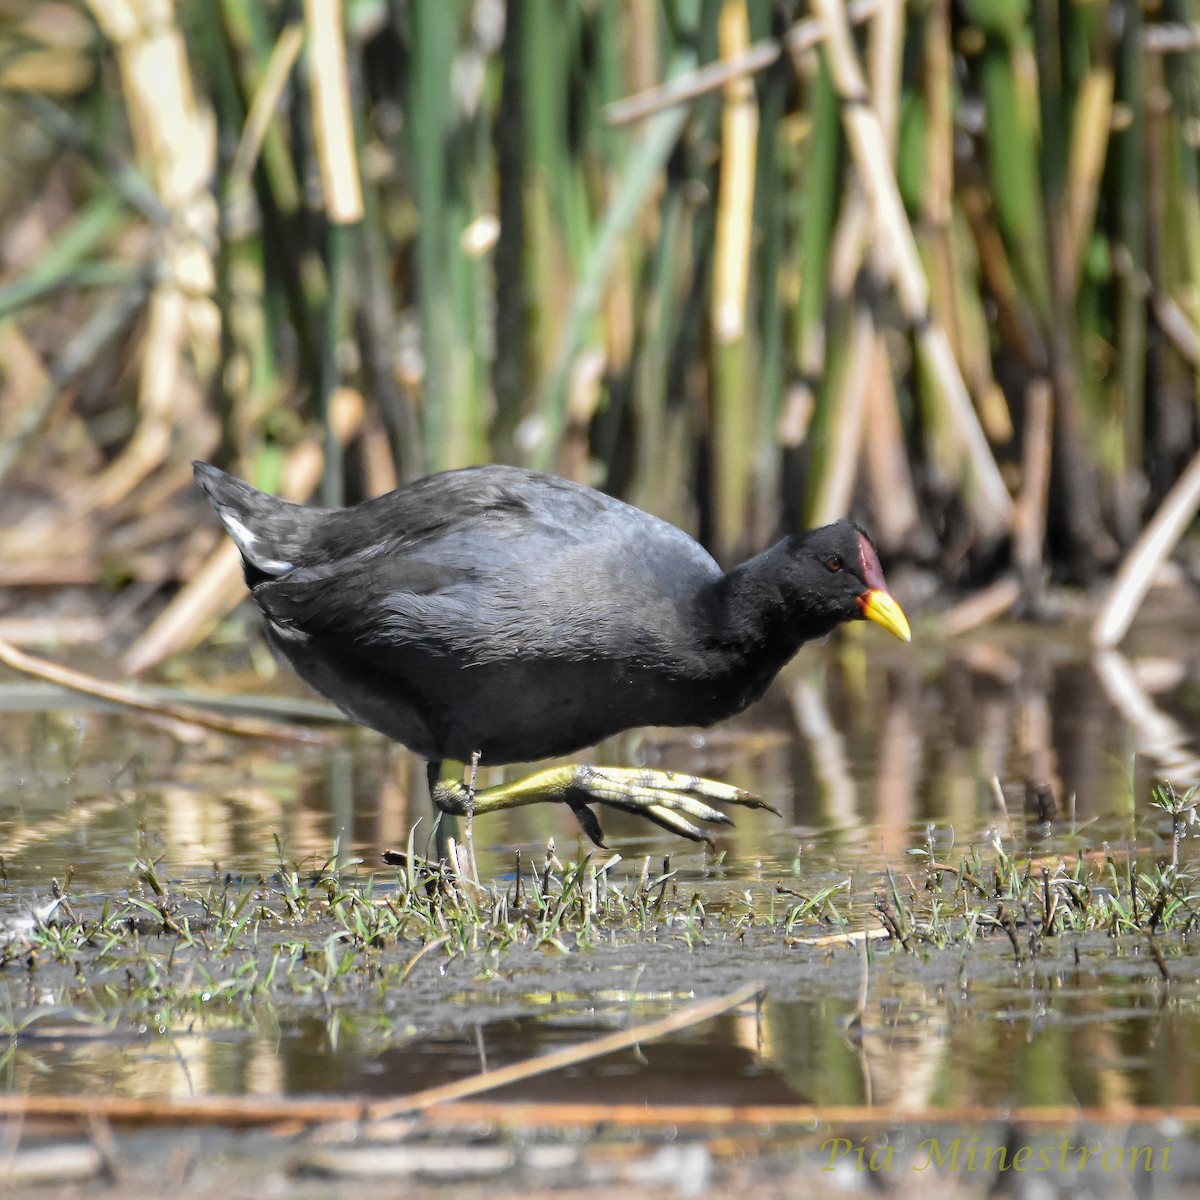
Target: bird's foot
[{"x": 668, "y": 798}]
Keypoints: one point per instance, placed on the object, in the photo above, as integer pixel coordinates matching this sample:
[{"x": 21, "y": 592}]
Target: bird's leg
[
  {"x": 669, "y": 799},
  {"x": 446, "y": 830},
  {"x": 445, "y": 826}
]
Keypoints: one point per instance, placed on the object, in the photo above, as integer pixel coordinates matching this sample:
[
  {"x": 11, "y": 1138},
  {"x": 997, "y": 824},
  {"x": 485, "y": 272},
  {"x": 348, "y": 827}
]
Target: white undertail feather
[{"x": 245, "y": 540}]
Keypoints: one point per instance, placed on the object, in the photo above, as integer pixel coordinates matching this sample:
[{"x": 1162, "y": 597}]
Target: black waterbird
[{"x": 499, "y": 615}]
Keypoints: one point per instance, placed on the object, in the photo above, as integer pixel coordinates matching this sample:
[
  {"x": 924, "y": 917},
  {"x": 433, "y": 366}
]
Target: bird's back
[{"x": 502, "y": 522}]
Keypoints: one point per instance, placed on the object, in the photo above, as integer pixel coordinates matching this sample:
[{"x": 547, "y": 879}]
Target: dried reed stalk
[
  {"x": 991, "y": 504},
  {"x": 333, "y": 123},
  {"x": 1150, "y": 551},
  {"x": 175, "y": 143}
]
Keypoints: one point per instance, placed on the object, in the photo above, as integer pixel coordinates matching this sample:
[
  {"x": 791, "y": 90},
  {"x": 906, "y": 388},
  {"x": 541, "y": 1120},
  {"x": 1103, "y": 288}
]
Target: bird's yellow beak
[{"x": 878, "y": 606}]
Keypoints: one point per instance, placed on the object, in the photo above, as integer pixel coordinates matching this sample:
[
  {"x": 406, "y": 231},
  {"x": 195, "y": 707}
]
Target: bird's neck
[
  {"x": 745, "y": 626},
  {"x": 751, "y": 613}
]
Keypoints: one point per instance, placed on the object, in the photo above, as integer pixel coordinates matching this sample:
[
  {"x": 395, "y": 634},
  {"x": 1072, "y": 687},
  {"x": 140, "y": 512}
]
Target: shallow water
[{"x": 874, "y": 754}]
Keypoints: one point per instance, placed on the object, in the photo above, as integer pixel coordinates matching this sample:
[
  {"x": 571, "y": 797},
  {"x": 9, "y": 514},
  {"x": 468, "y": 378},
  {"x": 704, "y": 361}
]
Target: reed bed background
[{"x": 749, "y": 265}]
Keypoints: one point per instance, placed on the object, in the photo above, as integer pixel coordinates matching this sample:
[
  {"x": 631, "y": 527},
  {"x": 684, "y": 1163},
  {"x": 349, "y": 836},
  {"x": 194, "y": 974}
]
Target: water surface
[{"x": 878, "y": 757}]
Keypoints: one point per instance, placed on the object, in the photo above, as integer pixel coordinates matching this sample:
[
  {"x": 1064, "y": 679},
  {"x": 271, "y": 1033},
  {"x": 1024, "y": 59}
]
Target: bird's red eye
[{"x": 833, "y": 563}]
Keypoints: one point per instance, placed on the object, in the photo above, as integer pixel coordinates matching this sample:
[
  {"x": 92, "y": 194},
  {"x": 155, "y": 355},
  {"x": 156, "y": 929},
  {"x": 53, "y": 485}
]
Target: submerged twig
[{"x": 569, "y": 1056}]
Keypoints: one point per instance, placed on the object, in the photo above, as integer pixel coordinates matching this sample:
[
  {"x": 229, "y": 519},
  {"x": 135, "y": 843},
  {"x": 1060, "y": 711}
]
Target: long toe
[
  {"x": 674, "y": 823},
  {"x": 645, "y": 778},
  {"x": 674, "y": 801},
  {"x": 638, "y": 799}
]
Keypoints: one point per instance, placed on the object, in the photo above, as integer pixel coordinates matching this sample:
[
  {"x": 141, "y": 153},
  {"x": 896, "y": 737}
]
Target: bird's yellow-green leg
[
  {"x": 446, "y": 827},
  {"x": 669, "y": 799}
]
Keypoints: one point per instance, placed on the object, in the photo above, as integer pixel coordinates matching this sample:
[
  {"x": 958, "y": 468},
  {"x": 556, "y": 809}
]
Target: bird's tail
[{"x": 270, "y": 533}]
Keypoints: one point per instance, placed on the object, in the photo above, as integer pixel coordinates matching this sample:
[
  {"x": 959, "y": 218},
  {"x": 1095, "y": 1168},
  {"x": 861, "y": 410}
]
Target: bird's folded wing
[{"x": 370, "y": 601}]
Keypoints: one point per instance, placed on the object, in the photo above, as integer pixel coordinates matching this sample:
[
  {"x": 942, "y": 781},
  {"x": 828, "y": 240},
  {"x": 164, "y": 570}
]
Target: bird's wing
[
  {"x": 385, "y": 608},
  {"x": 434, "y": 514},
  {"x": 370, "y": 601}
]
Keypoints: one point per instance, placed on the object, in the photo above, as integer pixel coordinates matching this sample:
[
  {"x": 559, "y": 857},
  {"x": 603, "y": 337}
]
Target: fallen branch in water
[{"x": 127, "y": 697}]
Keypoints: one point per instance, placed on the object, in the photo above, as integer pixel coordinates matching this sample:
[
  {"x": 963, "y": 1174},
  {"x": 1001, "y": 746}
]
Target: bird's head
[{"x": 843, "y": 579}]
